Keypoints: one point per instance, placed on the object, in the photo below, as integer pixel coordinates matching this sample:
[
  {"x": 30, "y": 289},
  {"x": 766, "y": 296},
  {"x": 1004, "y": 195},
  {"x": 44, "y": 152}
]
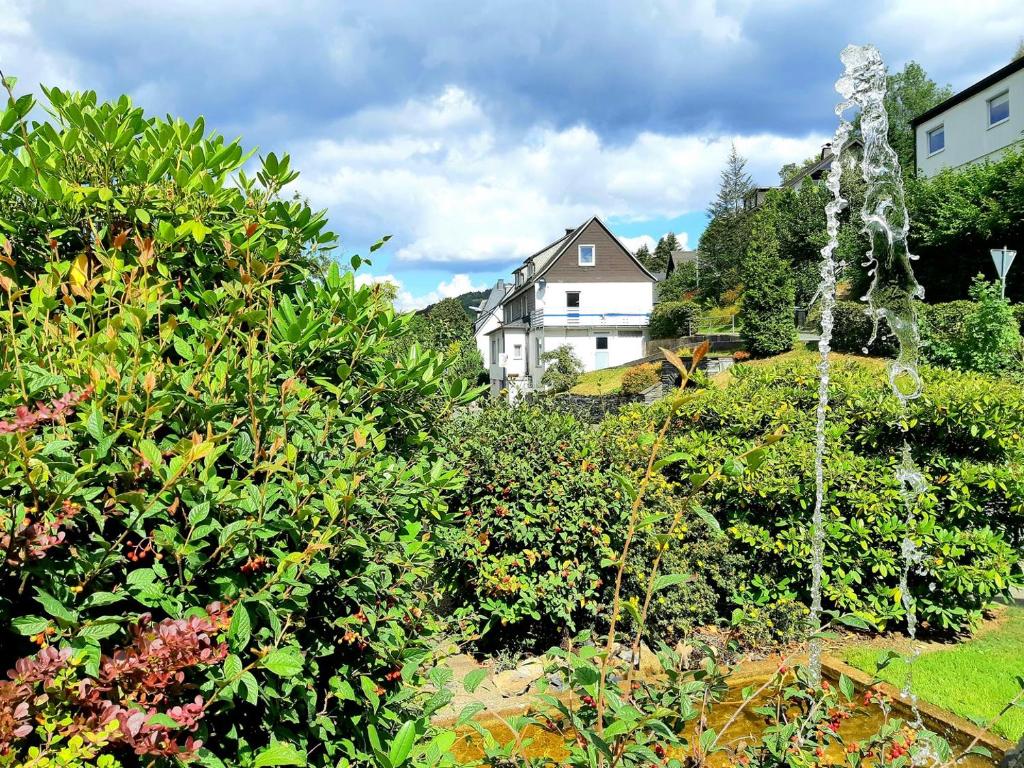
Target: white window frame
[
  {"x": 928, "y": 139},
  {"x": 517, "y": 351},
  {"x": 988, "y": 109},
  {"x": 593, "y": 255}
]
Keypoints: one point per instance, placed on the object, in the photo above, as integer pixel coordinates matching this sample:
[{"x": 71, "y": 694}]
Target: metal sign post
[{"x": 1003, "y": 259}]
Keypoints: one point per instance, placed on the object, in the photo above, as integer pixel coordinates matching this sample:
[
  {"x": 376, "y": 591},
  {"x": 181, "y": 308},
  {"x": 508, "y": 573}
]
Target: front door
[{"x": 601, "y": 353}]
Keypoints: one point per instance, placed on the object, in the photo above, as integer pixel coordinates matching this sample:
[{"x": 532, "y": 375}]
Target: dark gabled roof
[
  {"x": 969, "y": 91},
  {"x": 550, "y": 253},
  {"x": 823, "y": 163}
]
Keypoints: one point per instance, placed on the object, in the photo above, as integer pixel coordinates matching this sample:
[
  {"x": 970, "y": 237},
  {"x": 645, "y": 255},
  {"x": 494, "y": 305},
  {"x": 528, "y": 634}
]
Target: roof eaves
[{"x": 971, "y": 90}]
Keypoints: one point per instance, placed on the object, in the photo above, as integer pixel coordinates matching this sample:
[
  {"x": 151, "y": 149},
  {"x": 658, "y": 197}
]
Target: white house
[
  {"x": 585, "y": 290},
  {"x": 488, "y": 318},
  {"x": 975, "y": 125}
]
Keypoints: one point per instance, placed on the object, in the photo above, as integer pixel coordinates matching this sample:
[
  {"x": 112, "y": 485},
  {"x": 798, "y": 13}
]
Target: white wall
[
  {"x": 623, "y": 346},
  {"x": 596, "y": 299},
  {"x": 968, "y": 135},
  {"x": 483, "y": 341}
]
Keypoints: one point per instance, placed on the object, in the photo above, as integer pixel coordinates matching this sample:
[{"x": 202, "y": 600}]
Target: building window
[
  {"x": 602, "y": 342},
  {"x": 999, "y": 109},
  {"x": 540, "y": 349},
  {"x": 517, "y": 351},
  {"x": 519, "y": 278},
  {"x": 936, "y": 139},
  {"x": 588, "y": 255}
]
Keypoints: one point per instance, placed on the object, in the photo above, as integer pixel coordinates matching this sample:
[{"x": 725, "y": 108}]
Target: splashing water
[{"x": 891, "y": 297}]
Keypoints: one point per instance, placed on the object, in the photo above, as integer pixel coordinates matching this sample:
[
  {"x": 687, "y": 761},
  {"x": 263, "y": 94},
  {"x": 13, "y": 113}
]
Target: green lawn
[
  {"x": 604, "y": 382},
  {"x": 974, "y": 679}
]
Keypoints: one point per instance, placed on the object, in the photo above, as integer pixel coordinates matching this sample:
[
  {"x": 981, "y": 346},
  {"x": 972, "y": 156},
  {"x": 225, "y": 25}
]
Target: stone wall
[{"x": 592, "y": 409}]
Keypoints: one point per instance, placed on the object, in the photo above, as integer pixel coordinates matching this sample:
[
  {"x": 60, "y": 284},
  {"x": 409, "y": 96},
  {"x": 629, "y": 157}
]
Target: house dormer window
[
  {"x": 519, "y": 278},
  {"x": 999, "y": 109},
  {"x": 588, "y": 255}
]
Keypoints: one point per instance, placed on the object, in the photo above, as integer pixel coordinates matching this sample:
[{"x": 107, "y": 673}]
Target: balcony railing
[{"x": 540, "y": 318}]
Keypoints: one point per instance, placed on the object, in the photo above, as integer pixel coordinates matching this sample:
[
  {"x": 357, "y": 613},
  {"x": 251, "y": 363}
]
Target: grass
[
  {"x": 974, "y": 679},
  {"x": 607, "y": 381}
]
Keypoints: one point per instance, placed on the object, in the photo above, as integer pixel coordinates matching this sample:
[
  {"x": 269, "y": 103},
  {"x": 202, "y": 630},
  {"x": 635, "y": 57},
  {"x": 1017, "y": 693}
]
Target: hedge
[{"x": 673, "y": 319}]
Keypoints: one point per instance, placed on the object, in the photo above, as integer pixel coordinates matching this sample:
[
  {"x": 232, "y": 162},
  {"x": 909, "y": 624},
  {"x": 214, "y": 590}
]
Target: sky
[{"x": 474, "y": 132}]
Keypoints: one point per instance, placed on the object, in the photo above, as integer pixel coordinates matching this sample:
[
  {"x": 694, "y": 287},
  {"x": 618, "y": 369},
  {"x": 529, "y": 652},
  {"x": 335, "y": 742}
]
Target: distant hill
[{"x": 467, "y": 300}]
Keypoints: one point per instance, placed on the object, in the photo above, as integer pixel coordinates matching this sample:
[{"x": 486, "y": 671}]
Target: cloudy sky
[{"x": 475, "y": 131}]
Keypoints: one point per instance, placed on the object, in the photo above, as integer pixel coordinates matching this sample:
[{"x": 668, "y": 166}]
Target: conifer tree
[
  {"x": 736, "y": 184},
  {"x": 767, "y": 312}
]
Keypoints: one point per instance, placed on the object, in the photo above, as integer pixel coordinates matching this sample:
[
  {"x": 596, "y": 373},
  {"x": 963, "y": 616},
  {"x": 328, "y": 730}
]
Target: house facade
[
  {"x": 488, "y": 317},
  {"x": 585, "y": 290},
  {"x": 978, "y": 124}
]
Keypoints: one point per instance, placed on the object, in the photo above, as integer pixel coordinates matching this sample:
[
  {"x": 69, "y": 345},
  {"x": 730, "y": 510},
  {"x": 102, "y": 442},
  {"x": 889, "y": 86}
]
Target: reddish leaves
[{"x": 26, "y": 418}]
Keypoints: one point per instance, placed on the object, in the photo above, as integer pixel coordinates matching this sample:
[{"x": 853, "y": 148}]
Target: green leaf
[
  {"x": 846, "y": 686},
  {"x": 55, "y": 607},
  {"x": 473, "y": 680},
  {"x": 403, "y": 744},
  {"x": 99, "y": 630},
  {"x": 671, "y": 580},
  {"x": 280, "y": 753},
  {"x": 284, "y": 662},
  {"x": 142, "y": 215},
  {"x": 370, "y": 691},
  {"x": 30, "y": 625},
  {"x": 241, "y": 627}
]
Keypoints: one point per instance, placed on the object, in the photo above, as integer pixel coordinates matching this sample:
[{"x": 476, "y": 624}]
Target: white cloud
[
  {"x": 406, "y": 301},
  {"x": 460, "y": 192},
  {"x": 634, "y": 243},
  {"x": 25, "y": 56}
]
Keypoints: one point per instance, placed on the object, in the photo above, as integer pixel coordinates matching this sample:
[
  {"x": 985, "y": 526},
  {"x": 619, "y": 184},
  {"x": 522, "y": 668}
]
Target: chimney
[{"x": 570, "y": 230}]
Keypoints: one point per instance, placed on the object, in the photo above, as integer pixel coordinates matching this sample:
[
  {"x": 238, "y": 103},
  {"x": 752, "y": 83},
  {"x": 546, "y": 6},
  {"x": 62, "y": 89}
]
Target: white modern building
[
  {"x": 975, "y": 125},
  {"x": 586, "y": 290}
]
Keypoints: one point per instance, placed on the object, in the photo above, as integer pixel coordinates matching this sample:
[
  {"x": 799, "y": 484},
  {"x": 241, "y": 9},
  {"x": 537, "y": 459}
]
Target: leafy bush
[
  {"x": 640, "y": 377},
  {"x": 674, "y": 319},
  {"x": 992, "y": 339},
  {"x": 767, "y": 313},
  {"x": 965, "y": 431},
  {"x": 1018, "y": 313},
  {"x": 540, "y": 511},
  {"x": 852, "y": 328},
  {"x": 942, "y": 331},
  {"x": 218, "y": 514},
  {"x": 562, "y": 369},
  {"x": 681, "y": 285}
]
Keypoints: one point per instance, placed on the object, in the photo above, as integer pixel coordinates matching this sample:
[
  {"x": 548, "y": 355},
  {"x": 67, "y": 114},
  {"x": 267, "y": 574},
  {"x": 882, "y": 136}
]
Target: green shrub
[
  {"x": 852, "y": 328},
  {"x": 540, "y": 511},
  {"x": 992, "y": 340},
  {"x": 965, "y": 432},
  {"x": 562, "y": 369},
  {"x": 943, "y": 330},
  {"x": 230, "y": 456},
  {"x": 1018, "y": 313},
  {"x": 767, "y": 313},
  {"x": 674, "y": 319},
  {"x": 640, "y": 378},
  {"x": 714, "y": 568}
]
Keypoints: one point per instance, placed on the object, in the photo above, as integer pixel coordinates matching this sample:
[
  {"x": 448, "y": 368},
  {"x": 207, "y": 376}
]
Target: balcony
[{"x": 540, "y": 319}]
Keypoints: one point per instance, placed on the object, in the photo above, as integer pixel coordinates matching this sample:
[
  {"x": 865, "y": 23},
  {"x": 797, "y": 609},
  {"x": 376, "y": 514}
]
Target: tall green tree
[
  {"x": 447, "y": 328},
  {"x": 910, "y": 93},
  {"x": 767, "y": 312},
  {"x": 722, "y": 247},
  {"x": 663, "y": 251},
  {"x": 734, "y": 187},
  {"x": 644, "y": 256}
]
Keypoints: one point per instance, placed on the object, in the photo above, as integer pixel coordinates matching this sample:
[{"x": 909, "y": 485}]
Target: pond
[{"x": 748, "y": 726}]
